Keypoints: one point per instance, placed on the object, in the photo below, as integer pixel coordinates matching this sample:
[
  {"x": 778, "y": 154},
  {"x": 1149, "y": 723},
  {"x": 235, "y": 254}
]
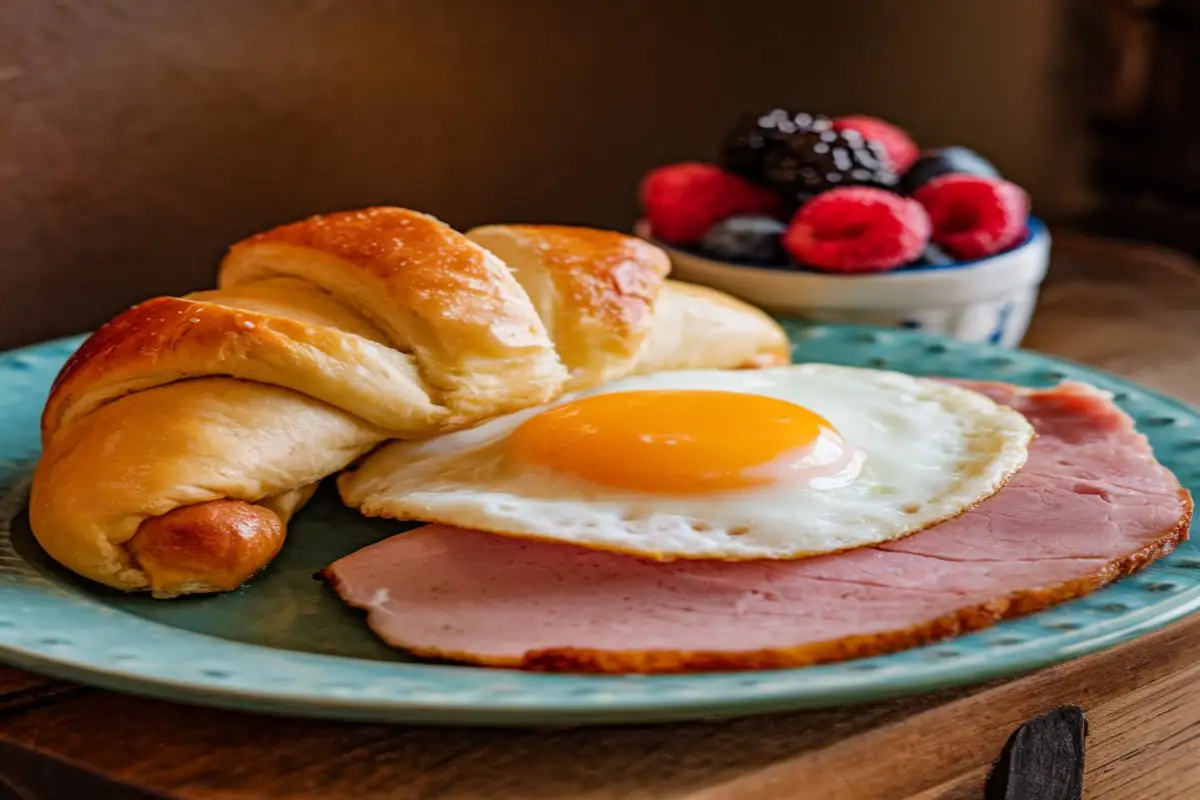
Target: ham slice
[{"x": 1090, "y": 506}]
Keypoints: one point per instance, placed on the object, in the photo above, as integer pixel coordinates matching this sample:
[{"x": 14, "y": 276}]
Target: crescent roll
[{"x": 183, "y": 435}]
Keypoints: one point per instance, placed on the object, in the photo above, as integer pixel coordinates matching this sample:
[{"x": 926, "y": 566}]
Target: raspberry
[
  {"x": 683, "y": 201},
  {"x": 900, "y": 148},
  {"x": 974, "y": 216},
  {"x": 857, "y": 229}
]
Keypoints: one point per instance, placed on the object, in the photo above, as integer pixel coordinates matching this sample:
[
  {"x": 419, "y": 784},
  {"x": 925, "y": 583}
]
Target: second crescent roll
[{"x": 611, "y": 312}]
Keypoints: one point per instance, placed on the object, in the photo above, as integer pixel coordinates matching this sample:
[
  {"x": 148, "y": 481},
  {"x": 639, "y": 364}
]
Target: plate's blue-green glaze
[{"x": 283, "y": 644}]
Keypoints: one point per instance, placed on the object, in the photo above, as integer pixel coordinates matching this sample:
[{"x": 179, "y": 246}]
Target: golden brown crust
[
  {"x": 425, "y": 267},
  {"x": 208, "y": 547},
  {"x": 123, "y": 332},
  {"x": 478, "y": 343},
  {"x": 611, "y": 313},
  {"x": 168, "y": 339},
  {"x": 616, "y": 278},
  {"x": 594, "y": 290}
]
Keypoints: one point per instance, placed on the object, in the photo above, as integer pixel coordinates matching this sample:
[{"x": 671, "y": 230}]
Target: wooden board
[{"x": 1131, "y": 309}]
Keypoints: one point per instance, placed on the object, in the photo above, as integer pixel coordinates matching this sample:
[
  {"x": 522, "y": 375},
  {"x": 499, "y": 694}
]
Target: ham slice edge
[{"x": 1090, "y": 506}]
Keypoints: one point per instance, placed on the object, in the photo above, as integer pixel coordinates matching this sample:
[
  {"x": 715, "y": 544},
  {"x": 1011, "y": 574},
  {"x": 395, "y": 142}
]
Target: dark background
[{"x": 138, "y": 138}]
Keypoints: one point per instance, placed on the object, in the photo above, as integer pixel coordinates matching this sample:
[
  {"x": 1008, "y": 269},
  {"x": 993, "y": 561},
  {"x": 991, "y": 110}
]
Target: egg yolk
[{"x": 672, "y": 441}]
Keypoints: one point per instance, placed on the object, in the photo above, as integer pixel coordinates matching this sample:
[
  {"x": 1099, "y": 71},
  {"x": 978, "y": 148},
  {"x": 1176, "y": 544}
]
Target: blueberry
[
  {"x": 933, "y": 256},
  {"x": 933, "y": 163},
  {"x": 750, "y": 239}
]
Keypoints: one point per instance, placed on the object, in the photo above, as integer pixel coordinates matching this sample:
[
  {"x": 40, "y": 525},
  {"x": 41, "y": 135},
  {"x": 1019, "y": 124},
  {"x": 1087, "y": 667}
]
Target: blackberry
[
  {"x": 749, "y": 239},
  {"x": 936, "y": 163},
  {"x": 809, "y": 162},
  {"x": 755, "y": 136}
]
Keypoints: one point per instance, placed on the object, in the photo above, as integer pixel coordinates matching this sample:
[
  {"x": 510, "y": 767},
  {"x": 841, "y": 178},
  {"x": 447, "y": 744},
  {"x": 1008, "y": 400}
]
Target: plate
[{"x": 284, "y": 644}]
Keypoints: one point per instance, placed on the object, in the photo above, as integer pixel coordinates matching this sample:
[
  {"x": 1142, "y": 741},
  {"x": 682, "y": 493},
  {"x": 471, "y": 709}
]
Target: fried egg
[{"x": 776, "y": 463}]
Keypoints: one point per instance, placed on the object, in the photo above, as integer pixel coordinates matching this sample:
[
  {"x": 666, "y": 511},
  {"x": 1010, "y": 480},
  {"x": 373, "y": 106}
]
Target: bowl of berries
[{"x": 846, "y": 220}]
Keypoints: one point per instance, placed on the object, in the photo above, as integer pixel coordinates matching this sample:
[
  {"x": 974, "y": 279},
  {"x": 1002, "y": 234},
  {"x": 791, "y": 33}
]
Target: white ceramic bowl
[{"x": 988, "y": 300}]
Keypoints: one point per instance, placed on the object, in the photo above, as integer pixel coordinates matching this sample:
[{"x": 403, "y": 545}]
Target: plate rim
[{"x": 609, "y": 699}]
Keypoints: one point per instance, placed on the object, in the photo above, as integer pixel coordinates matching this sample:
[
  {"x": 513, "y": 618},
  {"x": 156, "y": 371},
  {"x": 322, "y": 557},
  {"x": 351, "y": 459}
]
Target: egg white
[{"x": 931, "y": 451}]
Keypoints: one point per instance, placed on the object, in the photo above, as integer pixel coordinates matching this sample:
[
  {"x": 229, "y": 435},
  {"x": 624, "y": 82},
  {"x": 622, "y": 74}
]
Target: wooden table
[{"x": 1131, "y": 309}]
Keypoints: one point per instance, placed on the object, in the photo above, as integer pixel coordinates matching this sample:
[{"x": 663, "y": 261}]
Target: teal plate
[{"x": 284, "y": 644}]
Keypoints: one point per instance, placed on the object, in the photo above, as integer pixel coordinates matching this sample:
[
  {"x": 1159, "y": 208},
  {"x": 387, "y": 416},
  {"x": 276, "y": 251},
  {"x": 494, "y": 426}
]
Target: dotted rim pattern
[{"x": 59, "y": 629}]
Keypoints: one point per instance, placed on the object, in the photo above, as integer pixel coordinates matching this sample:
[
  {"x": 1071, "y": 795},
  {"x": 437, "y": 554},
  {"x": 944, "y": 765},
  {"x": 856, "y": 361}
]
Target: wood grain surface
[{"x": 1134, "y": 310}]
